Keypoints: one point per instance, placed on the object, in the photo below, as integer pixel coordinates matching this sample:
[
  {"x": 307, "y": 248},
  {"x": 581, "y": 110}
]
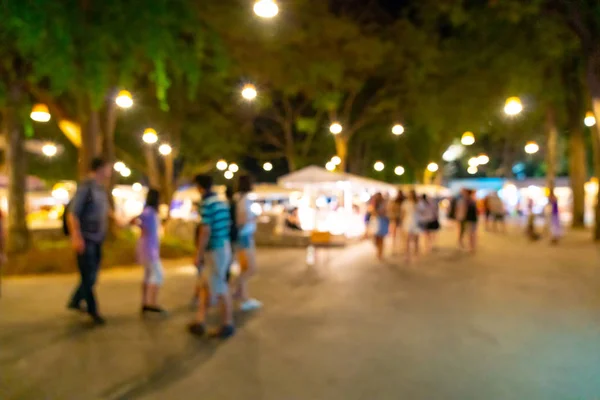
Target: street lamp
[
  {"x": 336, "y": 160},
  {"x": 164, "y": 149},
  {"x": 467, "y": 139},
  {"x": 40, "y": 113},
  {"x": 49, "y": 150},
  {"x": 249, "y": 92},
  {"x": 268, "y": 166},
  {"x": 222, "y": 165},
  {"x": 124, "y": 99},
  {"x": 234, "y": 168},
  {"x": 266, "y": 8},
  {"x": 378, "y": 166},
  {"x": 150, "y": 136},
  {"x": 513, "y": 106},
  {"x": 399, "y": 170},
  {"x": 531, "y": 147},
  {"x": 432, "y": 167},
  {"x": 228, "y": 175},
  {"x": 397, "y": 129},
  {"x": 336, "y": 128},
  {"x": 119, "y": 166},
  {"x": 330, "y": 166},
  {"x": 589, "y": 120},
  {"x": 483, "y": 159},
  {"x": 472, "y": 170},
  {"x": 125, "y": 172}
]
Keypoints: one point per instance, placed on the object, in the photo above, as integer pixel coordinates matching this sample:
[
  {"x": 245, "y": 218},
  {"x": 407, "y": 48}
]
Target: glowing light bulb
[
  {"x": 378, "y": 166},
  {"x": 398, "y": 130},
  {"x": 336, "y": 128},
  {"x": 124, "y": 99},
  {"x": 49, "y": 150},
  {"x": 249, "y": 92},
  {"x": 266, "y": 8},
  {"x": 222, "y": 165},
  {"x": 399, "y": 170},
  {"x": 150, "y": 136},
  {"x": 467, "y": 139},
  {"x": 432, "y": 167},
  {"x": 267, "y": 166}
]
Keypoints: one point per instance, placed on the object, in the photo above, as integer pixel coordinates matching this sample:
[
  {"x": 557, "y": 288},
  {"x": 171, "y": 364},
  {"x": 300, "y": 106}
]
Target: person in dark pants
[
  {"x": 233, "y": 233},
  {"x": 87, "y": 219}
]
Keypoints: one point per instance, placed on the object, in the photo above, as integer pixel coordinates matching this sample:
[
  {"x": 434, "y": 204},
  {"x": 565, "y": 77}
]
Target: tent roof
[{"x": 313, "y": 175}]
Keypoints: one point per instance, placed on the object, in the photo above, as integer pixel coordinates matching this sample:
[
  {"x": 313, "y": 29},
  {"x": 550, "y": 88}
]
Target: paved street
[{"x": 511, "y": 322}]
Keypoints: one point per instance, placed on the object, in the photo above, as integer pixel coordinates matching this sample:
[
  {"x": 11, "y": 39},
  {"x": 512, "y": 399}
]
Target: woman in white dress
[{"x": 410, "y": 224}]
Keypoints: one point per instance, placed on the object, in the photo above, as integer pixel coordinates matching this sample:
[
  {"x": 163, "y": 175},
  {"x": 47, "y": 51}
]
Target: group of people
[
  {"x": 225, "y": 225},
  {"x": 406, "y": 218}
]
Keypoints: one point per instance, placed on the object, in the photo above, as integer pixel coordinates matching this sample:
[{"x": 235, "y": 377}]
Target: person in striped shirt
[{"x": 213, "y": 247}]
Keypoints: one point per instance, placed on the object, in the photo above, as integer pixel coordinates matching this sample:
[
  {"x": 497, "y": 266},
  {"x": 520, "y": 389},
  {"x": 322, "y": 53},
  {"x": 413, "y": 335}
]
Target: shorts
[
  {"x": 153, "y": 272},
  {"x": 383, "y": 227},
  {"x": 217, "y": 265},
  {"x": 432, "y": 226}
]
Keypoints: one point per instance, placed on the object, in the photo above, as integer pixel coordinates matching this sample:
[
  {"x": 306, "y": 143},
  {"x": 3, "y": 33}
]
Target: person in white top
[
  {"x": 429, "y": 222},
  {"x": 497, "y": 211},
  {"x": 410, "y": 224},
  {"x": 245, "y": 220}
]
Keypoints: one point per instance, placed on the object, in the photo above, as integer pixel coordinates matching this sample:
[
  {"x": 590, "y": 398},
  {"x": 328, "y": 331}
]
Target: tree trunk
[
  {"x": 18, "y": 240},
  {"x": 168, "y": 181},
  {"x": 108, "y": 152},
  {"x": 341, "y": 148},
  {"x": 577, "y": 174},
  {"x": 290, "y": 150},
  {"x": 552, "y": 137},
  {"x": 152, "y": 167},
  {"x": 593, "y": 81},
  {"x": 90, "y": 134}
]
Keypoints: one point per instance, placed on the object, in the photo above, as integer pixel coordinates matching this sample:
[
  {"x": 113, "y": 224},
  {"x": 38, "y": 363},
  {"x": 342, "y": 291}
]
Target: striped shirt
[{"x": 216, "y": 214}]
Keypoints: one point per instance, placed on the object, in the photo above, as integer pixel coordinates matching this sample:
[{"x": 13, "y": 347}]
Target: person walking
[
  {"x": 246, "y": 228},
  {"x": 497, "y": 212},
  {"x": 395, "y": 215},
  {"x": 383, "y": 223},
  {"x": 410, "y": 225},
  {"x": 429, "y": 220},
  {"x": 213, "y": 257},
  {"x": 87, "y": 223},
  {"x": 467, "y": 212},
  {"x": 149, "y": 253},
  {"x": 555, "y": 228}
]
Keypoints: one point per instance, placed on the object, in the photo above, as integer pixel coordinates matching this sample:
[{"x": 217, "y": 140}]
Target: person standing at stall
[{"x": 246, "y": 248}]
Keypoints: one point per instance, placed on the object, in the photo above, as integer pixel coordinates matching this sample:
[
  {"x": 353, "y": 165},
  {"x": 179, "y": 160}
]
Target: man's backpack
[{"x": 88, "y": 200}]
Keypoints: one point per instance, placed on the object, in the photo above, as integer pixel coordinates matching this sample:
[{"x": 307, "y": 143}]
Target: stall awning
[{"x": 317, "y": 176}]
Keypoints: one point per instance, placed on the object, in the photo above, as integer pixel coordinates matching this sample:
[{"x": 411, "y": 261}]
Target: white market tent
[{"x": 320, "y": 178}]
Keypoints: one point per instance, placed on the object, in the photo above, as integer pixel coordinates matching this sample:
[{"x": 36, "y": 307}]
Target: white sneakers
[{"x": 250, "y": 305}]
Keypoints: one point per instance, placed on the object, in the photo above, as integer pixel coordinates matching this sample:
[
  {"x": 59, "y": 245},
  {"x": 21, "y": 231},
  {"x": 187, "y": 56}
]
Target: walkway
[{"x": 511, "y": 322}]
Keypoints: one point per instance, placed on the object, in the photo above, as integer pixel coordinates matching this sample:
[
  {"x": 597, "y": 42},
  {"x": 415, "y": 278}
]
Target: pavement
[{"x": 513, "y": 321}]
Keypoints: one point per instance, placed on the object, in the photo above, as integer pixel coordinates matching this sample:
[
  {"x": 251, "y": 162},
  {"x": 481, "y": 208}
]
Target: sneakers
[
  {"x": 250, "y": 305},
  {"x": 154, "y": 309},
  {"x": 225, "y": 332},
  {"x": 197, "y": 329},
  {"x": 98, "y": 320}
]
